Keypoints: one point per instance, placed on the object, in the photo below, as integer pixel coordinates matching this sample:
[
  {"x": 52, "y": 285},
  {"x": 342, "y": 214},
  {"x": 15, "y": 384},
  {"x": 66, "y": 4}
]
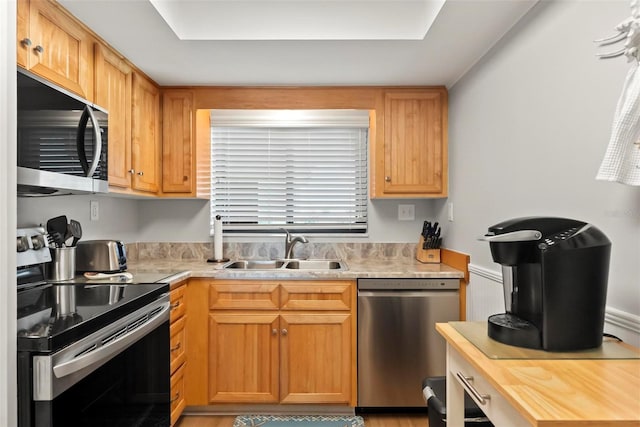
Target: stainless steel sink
[
  {"x": 255, "y": 264},
  {"x": 285, "y": 264},
  {"x": 314, "y": 264}
]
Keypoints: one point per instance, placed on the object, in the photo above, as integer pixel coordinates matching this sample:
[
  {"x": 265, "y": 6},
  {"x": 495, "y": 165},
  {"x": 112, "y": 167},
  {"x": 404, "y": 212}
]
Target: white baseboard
[{"x": 617, "y": 322}]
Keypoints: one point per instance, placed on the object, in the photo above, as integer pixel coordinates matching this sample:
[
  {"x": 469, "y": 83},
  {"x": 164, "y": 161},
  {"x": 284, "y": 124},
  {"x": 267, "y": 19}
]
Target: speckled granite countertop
[{"x": 179, "y": 270}]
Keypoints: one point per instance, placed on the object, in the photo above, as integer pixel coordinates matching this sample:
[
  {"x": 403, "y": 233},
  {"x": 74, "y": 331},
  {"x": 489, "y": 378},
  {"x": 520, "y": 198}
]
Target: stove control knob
[
  {"x": 38, "y": 241},
  {"x": 22, "y": 243}
]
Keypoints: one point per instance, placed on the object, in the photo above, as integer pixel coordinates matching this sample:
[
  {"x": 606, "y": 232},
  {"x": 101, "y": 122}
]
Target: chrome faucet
[{"x": 290, "y": 241}]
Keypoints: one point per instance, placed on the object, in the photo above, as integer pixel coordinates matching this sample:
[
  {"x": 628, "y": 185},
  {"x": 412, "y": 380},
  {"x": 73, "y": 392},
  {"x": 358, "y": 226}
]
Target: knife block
[{"x": 427, "y": 256}]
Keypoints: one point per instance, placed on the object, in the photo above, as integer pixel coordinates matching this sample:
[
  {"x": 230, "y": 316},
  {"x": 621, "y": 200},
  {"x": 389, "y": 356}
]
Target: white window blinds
[{"x": 302, "y": 170}]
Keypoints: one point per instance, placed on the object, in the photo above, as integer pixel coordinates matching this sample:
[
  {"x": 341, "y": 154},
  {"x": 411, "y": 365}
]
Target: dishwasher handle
[
  {"x": 405, "y": 294},
  {"x": 418, "y": 284}
]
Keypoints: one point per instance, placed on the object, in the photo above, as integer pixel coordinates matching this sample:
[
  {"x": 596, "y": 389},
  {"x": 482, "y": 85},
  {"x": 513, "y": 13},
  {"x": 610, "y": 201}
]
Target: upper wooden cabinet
[
  {"x": 113, "y": 92},
  {"x": 145, "y": 135},
  {"x": 177, "y": 141},
  {"x": 411, "y": 161},
  {"x": 52, "y": 44},
  {"x": 186, "y": 140}
]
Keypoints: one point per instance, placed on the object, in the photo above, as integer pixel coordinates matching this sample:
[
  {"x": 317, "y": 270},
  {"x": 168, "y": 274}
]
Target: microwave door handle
[
  {"x": 97, "y": 142},
  {"x": 97, "y": 138}
]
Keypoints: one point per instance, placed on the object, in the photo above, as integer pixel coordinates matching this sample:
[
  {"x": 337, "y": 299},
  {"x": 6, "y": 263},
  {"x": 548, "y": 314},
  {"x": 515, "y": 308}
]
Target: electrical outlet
[
  {"x": 94, "y": 210},
  {"x": 450, "y": 211},
  {"x": 406, "y": 212}
]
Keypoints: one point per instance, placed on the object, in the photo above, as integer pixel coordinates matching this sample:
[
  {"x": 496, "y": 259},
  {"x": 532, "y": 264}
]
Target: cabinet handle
[
  {"x": 26, "y": 42},
  {"x": 387, "y": 179},
  {"x": 284, "y": 332},
  {"x": 140, "y": 173},
  {"x": 176, "y": 348},
  {"x": 175, "y": 305},
  {"x": 39, "y": 49},
  {"x": 274, "y": 331},
  {"x": 466, "y": 382},
  {"x": 132, "y": 171},
  {"x": 176, "y": 397}
]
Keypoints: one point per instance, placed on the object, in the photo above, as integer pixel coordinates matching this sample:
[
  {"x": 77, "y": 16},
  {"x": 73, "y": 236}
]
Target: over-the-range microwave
[{"x": 62, "y": 140}]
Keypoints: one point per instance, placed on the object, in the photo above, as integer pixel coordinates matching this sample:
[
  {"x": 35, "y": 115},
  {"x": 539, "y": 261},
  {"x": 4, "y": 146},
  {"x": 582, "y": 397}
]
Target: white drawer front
[{"x": 495, "y": 406}]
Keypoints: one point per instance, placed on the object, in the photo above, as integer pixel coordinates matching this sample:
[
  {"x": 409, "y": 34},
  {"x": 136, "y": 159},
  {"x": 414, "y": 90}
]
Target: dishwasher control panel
[{"x": 431, "y": 284}]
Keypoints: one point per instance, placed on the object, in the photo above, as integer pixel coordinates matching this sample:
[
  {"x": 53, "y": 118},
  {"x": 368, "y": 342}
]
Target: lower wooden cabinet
[
  {"x": 315, "y": 357},
  {"x": 271, "y": 358},
  {"x": 178, "y": 350},
  {"x": 178, "y": 402},
  {"x": 244, "y": 357},
  {"x": 272, "y": 342}
]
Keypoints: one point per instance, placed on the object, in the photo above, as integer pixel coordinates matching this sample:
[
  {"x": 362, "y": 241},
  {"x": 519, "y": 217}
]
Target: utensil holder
[
  {"x": 63, "y": 264},
  {"x": 427, "y": 256}
]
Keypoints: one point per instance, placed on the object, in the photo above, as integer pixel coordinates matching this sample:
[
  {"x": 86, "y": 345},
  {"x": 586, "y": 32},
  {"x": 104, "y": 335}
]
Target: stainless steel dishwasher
[{"x": 398, "y": 345}]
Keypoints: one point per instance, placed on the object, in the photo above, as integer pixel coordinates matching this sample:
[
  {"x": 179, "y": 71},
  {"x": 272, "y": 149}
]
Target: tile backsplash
[{"x": 269, "y": 250}]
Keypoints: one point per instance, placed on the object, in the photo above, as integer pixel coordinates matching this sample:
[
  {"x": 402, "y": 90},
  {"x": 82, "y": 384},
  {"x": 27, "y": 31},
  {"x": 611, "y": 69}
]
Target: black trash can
[{"x": 434, "y": 391}]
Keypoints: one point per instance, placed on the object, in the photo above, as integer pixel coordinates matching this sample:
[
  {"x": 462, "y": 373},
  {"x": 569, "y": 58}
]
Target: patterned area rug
[{"x": 297, "y": 420}]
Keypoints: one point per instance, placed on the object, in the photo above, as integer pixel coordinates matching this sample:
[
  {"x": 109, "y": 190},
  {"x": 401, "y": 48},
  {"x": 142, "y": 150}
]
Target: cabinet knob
[
  {"x": 132, "y": 171},
  {"x": 26, "y": 42},
  {"x": 175, "y": 348},
  {"x": 284, "y": 332},
  {"x": 39, "y": 49},
  {"x": 175, "y": 398},
  {"x": 274, "y": 331},
  {"x": 387, "y": 179},
  {"x": 140, "y": 173}
]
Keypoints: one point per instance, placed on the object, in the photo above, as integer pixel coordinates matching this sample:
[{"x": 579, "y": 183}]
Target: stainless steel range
[{"x": 89, "y": 354}]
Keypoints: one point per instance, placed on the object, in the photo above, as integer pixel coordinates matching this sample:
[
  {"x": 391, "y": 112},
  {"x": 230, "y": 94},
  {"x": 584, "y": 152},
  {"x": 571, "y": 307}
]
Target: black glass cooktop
[{"x": 52, "y": 316}]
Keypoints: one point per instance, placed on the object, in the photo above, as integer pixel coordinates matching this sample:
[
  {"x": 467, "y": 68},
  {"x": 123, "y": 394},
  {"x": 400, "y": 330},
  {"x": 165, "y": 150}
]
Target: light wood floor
[{"x": 371, "y": 420}]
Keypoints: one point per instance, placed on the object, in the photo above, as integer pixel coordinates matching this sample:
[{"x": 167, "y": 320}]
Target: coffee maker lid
[{"x": 545, "y": 226}]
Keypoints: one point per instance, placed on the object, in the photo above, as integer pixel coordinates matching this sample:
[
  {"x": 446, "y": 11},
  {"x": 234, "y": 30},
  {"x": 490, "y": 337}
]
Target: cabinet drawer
[
  {"x": 495, "y": 406},
  {"x": 326, "y": 295},
  {"x": 178, "y": 402},
  {"x": 243, "y": 295},
  {"x": 177, "y": 344},
  {"x": 177, "y": 303}
]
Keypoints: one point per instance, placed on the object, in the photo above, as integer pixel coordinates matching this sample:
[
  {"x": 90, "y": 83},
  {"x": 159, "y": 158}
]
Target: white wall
[
  {"x": 118, "y": 217},
  {"x": 153, "y": 220},
  {"x": 528, "y": 128},
  {"x": 188, "y": 221},
  {"x": 8, "y": 413}
]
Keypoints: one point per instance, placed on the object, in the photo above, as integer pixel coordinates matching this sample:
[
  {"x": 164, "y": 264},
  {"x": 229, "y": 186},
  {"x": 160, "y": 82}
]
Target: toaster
[{"x": 101, "y": 256}]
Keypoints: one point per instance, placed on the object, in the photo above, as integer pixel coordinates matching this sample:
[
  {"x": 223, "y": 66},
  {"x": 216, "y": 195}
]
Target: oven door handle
[{"x": 106, "y": 352}]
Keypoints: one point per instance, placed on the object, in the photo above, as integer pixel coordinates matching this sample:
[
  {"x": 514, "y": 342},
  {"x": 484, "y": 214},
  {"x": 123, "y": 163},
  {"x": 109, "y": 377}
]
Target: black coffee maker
[{"x": 555, "y": 273}]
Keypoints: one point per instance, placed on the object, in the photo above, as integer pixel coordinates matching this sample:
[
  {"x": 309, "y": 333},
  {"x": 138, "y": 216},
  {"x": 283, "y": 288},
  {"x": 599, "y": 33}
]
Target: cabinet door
[
  {"x": 315, "y": 358},
  {"x": 23, "y": 42},
  {"x": 61, "y": 50},
  {"x": 178, "y": 165},
  {"x": 113, "y": 92},
  {"x": 415, "y": 151},
  {"x": 145, "y": 145},
  {"x": 244, "y": 295},
  {"x": 177, "y": 345},
  {"x": 178, "y": 402},
  {"x": 178, "y": 305},
  {"x": 243, "y": 358},
  {"x": 317, "y": 295}
]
